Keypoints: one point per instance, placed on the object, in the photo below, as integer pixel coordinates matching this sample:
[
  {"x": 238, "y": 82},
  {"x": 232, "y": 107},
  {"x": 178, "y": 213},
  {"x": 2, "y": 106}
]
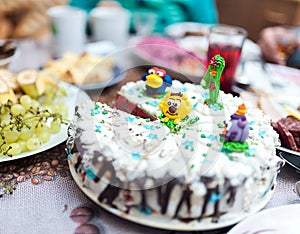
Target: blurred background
[
  {"x": 254, "y": 15},
  {"x": 28, "y": 18}
]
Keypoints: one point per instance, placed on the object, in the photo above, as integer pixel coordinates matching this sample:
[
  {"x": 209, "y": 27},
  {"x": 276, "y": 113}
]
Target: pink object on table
[{"x": 166, "y": 52}]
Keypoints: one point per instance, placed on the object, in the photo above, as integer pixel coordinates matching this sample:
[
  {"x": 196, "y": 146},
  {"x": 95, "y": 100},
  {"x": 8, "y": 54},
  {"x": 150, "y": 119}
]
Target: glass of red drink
[{"x": 226, "y": 40}]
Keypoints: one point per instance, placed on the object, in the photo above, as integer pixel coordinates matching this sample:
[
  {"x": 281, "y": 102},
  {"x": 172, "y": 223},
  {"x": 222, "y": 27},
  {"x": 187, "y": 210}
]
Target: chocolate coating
[
  {"x": 82, "y": 214},
  {"x": 87, "y": 228}
]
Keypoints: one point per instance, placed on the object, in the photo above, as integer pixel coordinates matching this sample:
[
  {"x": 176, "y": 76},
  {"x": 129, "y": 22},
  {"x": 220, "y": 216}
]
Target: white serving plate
[
  {"x": 73, "y": 95},
  {"x": 283, "y": 219}
]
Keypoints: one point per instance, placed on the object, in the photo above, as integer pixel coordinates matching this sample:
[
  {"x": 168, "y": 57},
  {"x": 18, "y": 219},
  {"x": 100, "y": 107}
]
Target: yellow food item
[
  {"x": 82, "y": 69},
  {"x": 6, "y": 93},
  {"x": 9, "y": 78},
  {"x": 175, "y": 106},
  {"x": 49, "y": 77},
  {"x": 31, "y": 83}
]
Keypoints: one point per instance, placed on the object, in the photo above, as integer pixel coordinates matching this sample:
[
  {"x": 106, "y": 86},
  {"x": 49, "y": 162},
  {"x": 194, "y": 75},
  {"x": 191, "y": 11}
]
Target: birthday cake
[{"x": 196, "y": 156}]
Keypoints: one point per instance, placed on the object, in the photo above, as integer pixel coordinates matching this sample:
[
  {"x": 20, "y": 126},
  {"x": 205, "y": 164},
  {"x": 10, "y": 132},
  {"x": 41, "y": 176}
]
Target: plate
[
  {"x": 273, "y": 79},
  {"x": 167, "y": 53},
  {"x": 117, "y": 75},
  {"x": 101, "y": 48},
  {"x": 184, "y": 29},
  {"x": 285, "y": 73},
  {"x": 290, "y": 156},
  {"x": 163, "y": 222},
  {"x": 283, "y": 219},
  {"x": 73, "y": 94}
]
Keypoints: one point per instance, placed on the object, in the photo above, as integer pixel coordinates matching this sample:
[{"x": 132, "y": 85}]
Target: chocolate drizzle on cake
[
  {"x": 212, "y": 195},
  {"x": 116, "y": 188},
  {"x": 78, "y": 163},
  {"x": 109, "y": 194},
  {"x": 166, "y": 196},
  {"x": 186, "y": 197},
  {"x": 170, "y": 181}
]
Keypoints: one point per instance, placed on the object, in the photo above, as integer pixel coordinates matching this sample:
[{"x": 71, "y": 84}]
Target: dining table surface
[{"x": 44, "y": 197}]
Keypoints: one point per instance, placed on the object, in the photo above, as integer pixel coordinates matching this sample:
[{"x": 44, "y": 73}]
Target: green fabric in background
[{"x": 167, "y": 11}]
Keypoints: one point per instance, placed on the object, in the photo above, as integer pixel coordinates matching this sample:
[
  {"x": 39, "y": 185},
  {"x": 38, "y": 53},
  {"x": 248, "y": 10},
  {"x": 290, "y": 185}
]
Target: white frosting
[{"x": 139, "y": 148}]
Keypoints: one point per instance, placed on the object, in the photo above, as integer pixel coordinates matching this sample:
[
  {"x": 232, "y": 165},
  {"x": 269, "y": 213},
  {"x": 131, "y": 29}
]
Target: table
[{"x": 46, "y": 196}]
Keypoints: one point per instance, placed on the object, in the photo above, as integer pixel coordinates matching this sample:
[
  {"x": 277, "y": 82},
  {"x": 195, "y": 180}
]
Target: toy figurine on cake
[
  {"x": 157, "y": 80},
  {"x": 175, "y": 106},
  {"x": 237, "y": 131},
  {"x": 148, "y": 168},
  {"x": 211, "y": 80}
]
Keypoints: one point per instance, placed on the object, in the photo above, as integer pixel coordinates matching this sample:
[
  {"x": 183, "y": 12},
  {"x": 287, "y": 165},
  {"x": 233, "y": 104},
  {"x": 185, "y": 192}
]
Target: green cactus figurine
[{"x": 211, "y": 80}]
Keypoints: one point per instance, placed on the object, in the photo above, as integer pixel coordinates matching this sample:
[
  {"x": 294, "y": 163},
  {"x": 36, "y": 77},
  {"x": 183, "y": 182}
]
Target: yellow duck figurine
[{"x": 175, "y": 106}]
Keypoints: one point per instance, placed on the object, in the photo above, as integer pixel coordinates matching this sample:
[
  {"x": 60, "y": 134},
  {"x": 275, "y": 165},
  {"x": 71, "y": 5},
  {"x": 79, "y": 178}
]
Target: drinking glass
[
  {"x": 226, "y": 40},
  {"x": 144, "y": 23}
]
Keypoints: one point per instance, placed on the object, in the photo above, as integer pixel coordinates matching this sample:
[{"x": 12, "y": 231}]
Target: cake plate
[{"x": 164, "y": 222}]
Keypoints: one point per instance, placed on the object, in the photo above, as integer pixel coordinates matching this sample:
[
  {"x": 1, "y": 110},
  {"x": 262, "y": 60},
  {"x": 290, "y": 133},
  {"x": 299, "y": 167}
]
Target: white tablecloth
[{"x": 46, "y": 208}]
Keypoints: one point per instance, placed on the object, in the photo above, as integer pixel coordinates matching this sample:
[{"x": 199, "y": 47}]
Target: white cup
[
  {"x": 110, "y": 23},
  {"x": 68, "y": 29}
]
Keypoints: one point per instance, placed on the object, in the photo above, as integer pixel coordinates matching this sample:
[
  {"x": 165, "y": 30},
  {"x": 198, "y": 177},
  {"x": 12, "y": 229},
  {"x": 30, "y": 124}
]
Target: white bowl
[{"x": 6, "y": 61}]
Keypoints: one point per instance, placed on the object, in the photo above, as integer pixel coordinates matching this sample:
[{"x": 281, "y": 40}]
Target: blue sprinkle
[
  {"x": 210, "y": 137},
  {"x": 95, "y": 112},
  {"x": 154, "y": 104},
  {"x": 130, "y": 92},
  {"x": 136, "y": 156},
  {"x": 214, "y": 107},
  {"x": 182, "y": 90},
  {"x": 90, "y": 173},
  {"x": 69, "y": 154},
  {"x": 152, "y": 136},
  {"x": 215, "y": 197},
  {"x": 251, "y": 151},
  {"x": 149, "y": 127},
  {"x": 205, "y": 95},
  {"x": 262, "y": 134},
  {"x": 98, "y": 128},
  {"x": 129, "y": 119},
  {"x": 146, "y": 211},
  {"x": 265, "y": 192},
  {"x": 225, "y": 151},
  {"x": 251, "y": 123},
  {"x": 189, "y": 145},
  {"x": 195, "y": 105}
]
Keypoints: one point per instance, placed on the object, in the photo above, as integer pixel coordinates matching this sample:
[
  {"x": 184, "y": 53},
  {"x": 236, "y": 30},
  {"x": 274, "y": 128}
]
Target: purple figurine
[{"x": 239, "y": 129}]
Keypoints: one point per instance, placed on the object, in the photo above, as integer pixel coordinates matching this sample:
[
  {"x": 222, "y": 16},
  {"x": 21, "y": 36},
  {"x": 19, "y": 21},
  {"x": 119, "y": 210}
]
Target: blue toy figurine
[{"x": 157, "y": 80}]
